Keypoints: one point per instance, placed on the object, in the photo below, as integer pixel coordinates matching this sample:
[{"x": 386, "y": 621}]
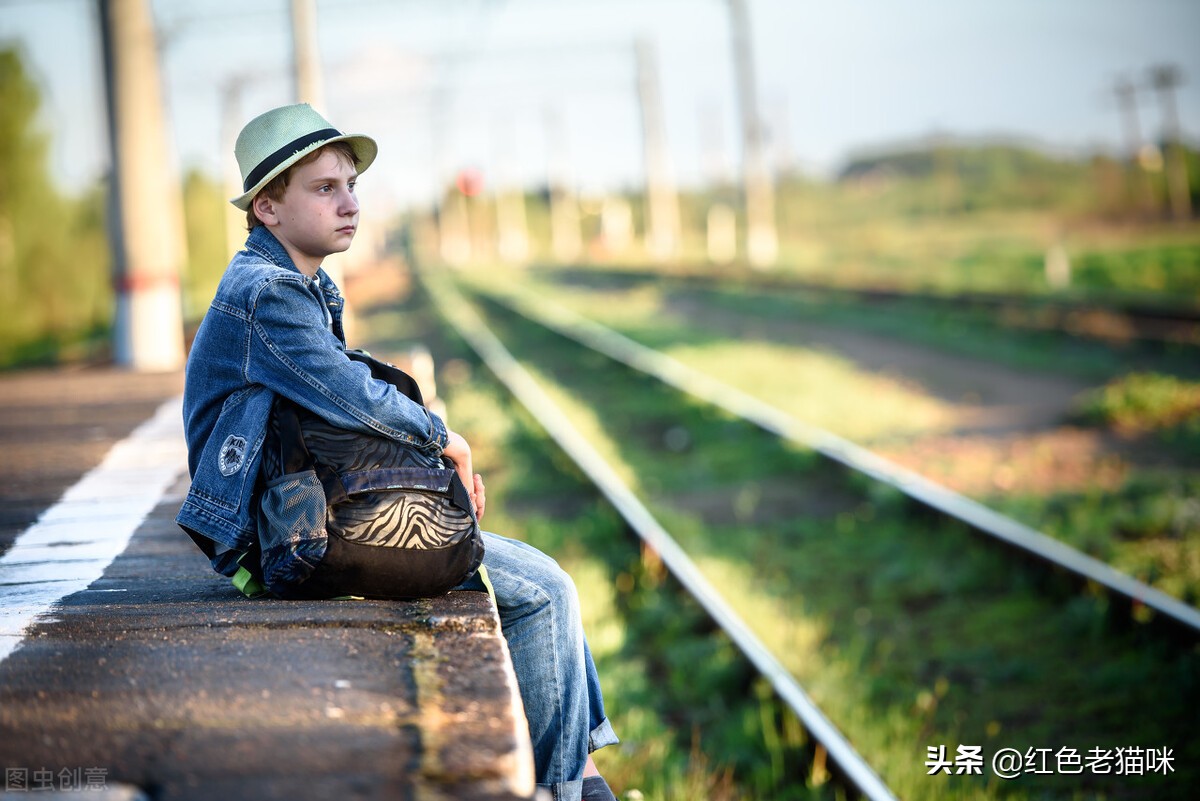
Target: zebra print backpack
[{"x": 344, "y": 513}]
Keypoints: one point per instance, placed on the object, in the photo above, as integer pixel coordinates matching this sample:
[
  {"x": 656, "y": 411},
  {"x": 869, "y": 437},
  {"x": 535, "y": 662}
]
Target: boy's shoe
[{"x": 596, "y": 789}]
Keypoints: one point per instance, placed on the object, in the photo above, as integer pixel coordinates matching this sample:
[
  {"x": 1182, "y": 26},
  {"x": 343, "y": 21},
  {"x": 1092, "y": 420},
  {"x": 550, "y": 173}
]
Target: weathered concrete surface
[
  {"x": 161, "y": 676},
  {"x": 55, "y": 425}
]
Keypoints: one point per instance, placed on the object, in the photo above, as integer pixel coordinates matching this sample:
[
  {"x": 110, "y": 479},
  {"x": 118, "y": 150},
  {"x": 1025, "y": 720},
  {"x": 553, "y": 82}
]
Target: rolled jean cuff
[
  {"x": 601, "y": 736},
  {"x": 565, "y": 791}
]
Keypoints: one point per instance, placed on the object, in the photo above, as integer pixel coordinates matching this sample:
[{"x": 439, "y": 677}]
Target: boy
[{"x": 275, "y": 328}]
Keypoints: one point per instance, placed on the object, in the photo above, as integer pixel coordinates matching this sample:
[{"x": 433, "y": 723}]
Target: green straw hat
[{"x": 274, "y": 141}]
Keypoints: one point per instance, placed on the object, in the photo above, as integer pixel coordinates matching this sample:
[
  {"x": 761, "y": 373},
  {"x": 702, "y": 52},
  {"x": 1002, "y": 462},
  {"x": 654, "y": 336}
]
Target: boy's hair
[{"x": 275, "y": 189}]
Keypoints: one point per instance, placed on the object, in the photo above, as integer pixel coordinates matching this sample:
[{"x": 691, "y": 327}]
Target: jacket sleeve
[{"x": 293, "y": 354}]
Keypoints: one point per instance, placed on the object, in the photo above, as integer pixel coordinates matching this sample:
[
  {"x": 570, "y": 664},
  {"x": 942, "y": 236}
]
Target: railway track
[
  {"x": 858, "y": 774},
  {"x": 1123, "y": 320},
  {"x": 852, "y": 456},
  {"x": 471, "y": 327}
]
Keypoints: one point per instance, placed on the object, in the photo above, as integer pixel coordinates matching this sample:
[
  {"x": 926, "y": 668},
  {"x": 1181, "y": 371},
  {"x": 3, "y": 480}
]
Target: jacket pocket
[{"x": 228, "y": 465}]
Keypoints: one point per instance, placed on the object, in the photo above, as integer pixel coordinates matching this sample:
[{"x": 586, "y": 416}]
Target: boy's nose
[{"x": 349, "y": 204}]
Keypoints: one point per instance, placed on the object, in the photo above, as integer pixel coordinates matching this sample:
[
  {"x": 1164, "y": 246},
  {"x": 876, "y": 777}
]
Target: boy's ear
[{"x": 264, "y": 209}]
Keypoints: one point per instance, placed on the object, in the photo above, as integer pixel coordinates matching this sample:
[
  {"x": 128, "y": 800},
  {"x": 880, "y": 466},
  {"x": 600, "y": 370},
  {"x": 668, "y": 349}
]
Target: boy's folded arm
[{"x": 294, "y": 356}]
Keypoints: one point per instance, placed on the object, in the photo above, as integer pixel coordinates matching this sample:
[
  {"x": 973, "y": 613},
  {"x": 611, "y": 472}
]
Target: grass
[
  {"x": 840, "y": 236},
  {"x": 1139, "y": 402},
  {"x": 1130, "y": 502},
  {"x": 814, "y": 385},
  {"x": 908, "y": 631},
  {"x": 1148, "y": 527},
  {"x": 967, "y": 331}
]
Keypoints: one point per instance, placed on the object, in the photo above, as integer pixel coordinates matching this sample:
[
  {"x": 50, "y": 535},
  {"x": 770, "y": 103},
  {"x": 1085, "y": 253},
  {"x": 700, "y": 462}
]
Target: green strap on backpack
[
  {"x": 487, "y": 582},
  {"x": 247, "y": 583}
]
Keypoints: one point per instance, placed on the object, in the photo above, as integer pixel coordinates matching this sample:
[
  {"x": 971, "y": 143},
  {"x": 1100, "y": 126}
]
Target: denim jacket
[{"x": 272, "y": 331}]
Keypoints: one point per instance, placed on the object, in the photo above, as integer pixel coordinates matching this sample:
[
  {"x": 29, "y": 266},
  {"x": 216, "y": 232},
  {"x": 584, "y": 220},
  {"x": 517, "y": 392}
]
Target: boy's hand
[
  {"x": 478, "y": 497},
  {"x": 459, "y": 452}
]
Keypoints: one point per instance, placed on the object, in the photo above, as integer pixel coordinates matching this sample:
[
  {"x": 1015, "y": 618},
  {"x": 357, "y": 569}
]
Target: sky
[{"x": 527, "y": 89}]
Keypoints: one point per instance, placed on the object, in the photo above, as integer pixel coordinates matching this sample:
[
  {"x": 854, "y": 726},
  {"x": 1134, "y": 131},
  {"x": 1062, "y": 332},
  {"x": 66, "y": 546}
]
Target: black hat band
[{"x": 272, "y": 161}]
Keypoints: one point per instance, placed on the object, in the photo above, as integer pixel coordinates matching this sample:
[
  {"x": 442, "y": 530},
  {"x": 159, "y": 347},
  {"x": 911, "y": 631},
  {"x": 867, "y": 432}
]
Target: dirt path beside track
[{"x": 1011, "y": 430}]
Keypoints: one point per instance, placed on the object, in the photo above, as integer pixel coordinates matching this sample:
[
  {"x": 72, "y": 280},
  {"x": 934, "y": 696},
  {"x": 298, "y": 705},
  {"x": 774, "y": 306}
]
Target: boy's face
[{"x": 318, "y": 213}]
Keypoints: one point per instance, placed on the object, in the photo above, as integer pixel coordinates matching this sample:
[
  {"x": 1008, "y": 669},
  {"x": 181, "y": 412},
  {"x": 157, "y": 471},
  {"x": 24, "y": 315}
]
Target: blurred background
[
  {"x": 1018, "y": 147},
  {"x": 963, "y": 235}
]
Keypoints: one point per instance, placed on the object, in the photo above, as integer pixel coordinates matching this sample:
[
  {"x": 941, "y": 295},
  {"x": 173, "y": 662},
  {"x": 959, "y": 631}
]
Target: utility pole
[
  {"x": 565, "y": 238},
  {"x": 453, "y": 218},
  {"x": 145, "y": 203},
  {"x": 713, "y": 167},
  {"x": 1165, "y": 78},
  {"x": 1126, "y": 94},
  {"x": 662, "y": 230},
  {"x": 231, "y": 111},
  {"x": 762, "y": 244},
  {"x": 513, "y": 230},
  {"x": 781, "y": 139},
  {"x": 306, "y": 57},
  {"x": 306, "y": 73}
]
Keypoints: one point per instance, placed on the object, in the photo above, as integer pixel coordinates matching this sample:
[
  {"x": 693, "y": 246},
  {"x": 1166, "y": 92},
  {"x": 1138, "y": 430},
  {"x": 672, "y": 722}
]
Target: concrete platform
[{"x": 161, "y": 681}]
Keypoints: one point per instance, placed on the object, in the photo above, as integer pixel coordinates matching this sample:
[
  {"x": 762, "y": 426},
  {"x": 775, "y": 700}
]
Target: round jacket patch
[{"x": 233, "y": 455}]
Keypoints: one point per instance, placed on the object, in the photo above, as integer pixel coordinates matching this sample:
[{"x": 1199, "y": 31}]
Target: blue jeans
[{"x": 539, "y": 616}]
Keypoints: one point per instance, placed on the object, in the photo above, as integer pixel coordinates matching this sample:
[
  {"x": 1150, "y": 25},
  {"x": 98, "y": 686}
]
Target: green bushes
[{"x": 1143, "y": 402}]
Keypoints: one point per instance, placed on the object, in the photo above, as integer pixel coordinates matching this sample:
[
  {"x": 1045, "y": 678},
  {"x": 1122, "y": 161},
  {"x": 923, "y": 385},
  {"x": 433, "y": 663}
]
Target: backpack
[{"x": 345, "y": 513}]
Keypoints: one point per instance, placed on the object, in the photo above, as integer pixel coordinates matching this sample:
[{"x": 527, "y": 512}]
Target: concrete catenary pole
[
  {"x": 511, "y": 219},
  {"x": 306, "y": 56},
  {"x": 1131, "y": 130},
  {"x": 1165, "y": 77},
  {"x": 453, "y": 218},
  {"x": 306, "y": 73},
  {"x": 566, "y": 240},
  {"x": 714, "y": 167},
  {"x": 762, "y": 244},
  {"x": 231, "y": 120},
  {"x": 662, "y": 231},
  {"x": 146, "y": 205}
]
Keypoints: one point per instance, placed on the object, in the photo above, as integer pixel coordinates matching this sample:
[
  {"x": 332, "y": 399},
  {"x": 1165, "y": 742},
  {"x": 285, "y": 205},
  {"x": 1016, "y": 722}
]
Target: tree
[
  {"x": 54, "y": 288},
  {"x": 204, "y": 207}
]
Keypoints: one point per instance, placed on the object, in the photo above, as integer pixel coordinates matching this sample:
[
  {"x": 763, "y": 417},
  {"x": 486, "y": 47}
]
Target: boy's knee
[{"x": 561, "y": 587}]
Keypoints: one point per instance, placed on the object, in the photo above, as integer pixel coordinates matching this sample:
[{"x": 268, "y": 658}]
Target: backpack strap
[
  {"x": 249, "y": 582},
  {"x": 402, "y": 381},
  {"x": 294, "y": 456}
]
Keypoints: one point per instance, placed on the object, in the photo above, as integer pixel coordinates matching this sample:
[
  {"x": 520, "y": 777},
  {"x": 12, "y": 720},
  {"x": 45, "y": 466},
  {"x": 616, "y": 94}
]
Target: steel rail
[
  {"x": 459, "y": 313},
  {"x": 711, "y": 390},
  {"x": 1176, "y": 322}
]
